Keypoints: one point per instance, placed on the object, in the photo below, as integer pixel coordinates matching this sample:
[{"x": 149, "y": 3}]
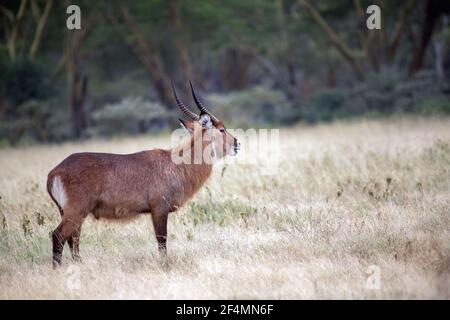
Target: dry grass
[{"x": 347, "y": 196}]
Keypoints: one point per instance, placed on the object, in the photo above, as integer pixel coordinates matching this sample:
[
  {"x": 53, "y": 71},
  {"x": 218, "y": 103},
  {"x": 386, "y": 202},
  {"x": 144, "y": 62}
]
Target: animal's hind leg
[
  {"x": 74, "y": 244},
  {"x": 73, "y": 241},
  {"x": 71, "y": 222}
]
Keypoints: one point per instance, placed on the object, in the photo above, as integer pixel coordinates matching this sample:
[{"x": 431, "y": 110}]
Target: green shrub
[
  {"x": 29, "y": 124},
  {"x": 129, "y": 116},
  {"x": 434, "y": 105},
  {"x": 383, "y": 93},
  {"x": 23, "y": 81},
  {"x": 324, "y": 105},
  {"x": 258, "y": 106}
]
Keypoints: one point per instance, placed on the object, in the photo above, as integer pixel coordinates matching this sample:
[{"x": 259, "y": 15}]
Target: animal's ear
[
  {"x": 205, "y": 121},
  {"x": 188, "y": 125}
]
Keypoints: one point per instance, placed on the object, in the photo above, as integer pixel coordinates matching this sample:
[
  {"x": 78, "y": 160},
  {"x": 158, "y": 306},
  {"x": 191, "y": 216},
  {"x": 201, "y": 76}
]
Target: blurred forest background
[{"x": 254, "y": 63}]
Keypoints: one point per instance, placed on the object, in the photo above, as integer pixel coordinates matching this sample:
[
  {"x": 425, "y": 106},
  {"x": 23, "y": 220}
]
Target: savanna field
[{"x": 357, "y": 209}]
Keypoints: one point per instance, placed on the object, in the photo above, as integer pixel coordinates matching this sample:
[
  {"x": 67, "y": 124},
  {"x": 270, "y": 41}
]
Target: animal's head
[{"x": 208, "y": 126}]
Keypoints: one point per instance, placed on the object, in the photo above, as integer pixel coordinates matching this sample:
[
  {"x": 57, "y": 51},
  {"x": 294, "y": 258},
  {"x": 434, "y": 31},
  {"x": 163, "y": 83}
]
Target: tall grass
[{"x": 349, "y": 197}]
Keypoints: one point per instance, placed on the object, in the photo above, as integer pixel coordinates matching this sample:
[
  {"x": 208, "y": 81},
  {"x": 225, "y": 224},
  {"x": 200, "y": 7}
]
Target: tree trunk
[
  {"x": 181, "y": 48},
  {"x": 331, "y": 77},
  {"x": 438, "y": 46},
  {"x": 290, "y": 85},
  {"x": 434, "y": 9},
  {"x": 149, "y": 59},
  {"x": 234, "y": 68},
  {"x": 366, "y": 38},
  {"x": 77, "y": 81},
  {"x": 401, "y": 29},
  {"x": 341, "y": 47},
  {"x": 78, "y": 89},
  {"x": 438, "y": 61}
]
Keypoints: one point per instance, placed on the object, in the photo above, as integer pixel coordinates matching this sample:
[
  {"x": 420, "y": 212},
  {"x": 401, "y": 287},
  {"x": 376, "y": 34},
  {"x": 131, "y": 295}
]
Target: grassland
[{"x": 353, "y": 203}]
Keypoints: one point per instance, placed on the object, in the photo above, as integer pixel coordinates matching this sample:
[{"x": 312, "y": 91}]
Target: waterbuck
[{"x": 121, "y": 186}]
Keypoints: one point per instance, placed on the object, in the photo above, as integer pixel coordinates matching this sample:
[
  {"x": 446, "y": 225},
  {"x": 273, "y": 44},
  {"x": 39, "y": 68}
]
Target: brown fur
[{"x": 114, "y": 186}]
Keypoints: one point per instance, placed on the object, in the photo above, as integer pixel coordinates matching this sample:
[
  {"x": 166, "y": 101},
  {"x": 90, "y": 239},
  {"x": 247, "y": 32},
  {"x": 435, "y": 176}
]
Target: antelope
[{"x": 123, "y": 186}]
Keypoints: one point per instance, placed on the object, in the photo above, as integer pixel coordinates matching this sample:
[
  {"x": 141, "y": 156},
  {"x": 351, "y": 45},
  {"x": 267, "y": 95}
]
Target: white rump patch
[{"x": 58, "y": 191}]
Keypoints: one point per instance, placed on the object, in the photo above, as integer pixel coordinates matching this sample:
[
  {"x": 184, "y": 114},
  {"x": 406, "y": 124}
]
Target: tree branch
[
  {"x": 8, "y": 13},
  {"x": 342, "y": 48},
  {"x": 12, "y": 38},
  {"x": 148, "y": 58},
  {"x": 402, "y": 26},
  {"x": 40, "y": 28}
]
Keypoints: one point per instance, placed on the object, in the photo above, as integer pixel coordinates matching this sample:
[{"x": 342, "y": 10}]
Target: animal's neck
[
  {"x": 195, "y": 169},
  {"x": 195, "y": 175},
  {"x": 196, "y": 150}
]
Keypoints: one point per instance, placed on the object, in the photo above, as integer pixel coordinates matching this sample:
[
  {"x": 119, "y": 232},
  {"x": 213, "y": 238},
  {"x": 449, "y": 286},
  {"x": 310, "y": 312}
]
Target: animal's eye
[{"x": 222, "y": 130}]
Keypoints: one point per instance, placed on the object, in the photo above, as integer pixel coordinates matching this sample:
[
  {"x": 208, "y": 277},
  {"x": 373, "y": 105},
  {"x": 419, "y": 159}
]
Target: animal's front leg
[{"x": 160, "y": 226}]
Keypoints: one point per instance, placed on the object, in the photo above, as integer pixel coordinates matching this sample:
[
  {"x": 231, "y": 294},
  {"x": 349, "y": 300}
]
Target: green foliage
[
  {"x": 325, "y": 105},
  {"x": 257, "y": 106},
  {"x": 434, "y": 105},
  {"x": 130, "y": 115},
  {"x": 26, "y": 91},
  {"x": 385, "y": 93},
  {"x": 23, "y": 80},
  {"x": 29, "y": 123},
  {"x": 263, "y": 63}
]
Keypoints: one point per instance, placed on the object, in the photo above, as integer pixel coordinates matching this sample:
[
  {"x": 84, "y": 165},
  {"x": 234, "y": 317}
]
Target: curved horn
[
  {"x": 200, "y": 105},
  {"x": 183, "y": 108}
]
